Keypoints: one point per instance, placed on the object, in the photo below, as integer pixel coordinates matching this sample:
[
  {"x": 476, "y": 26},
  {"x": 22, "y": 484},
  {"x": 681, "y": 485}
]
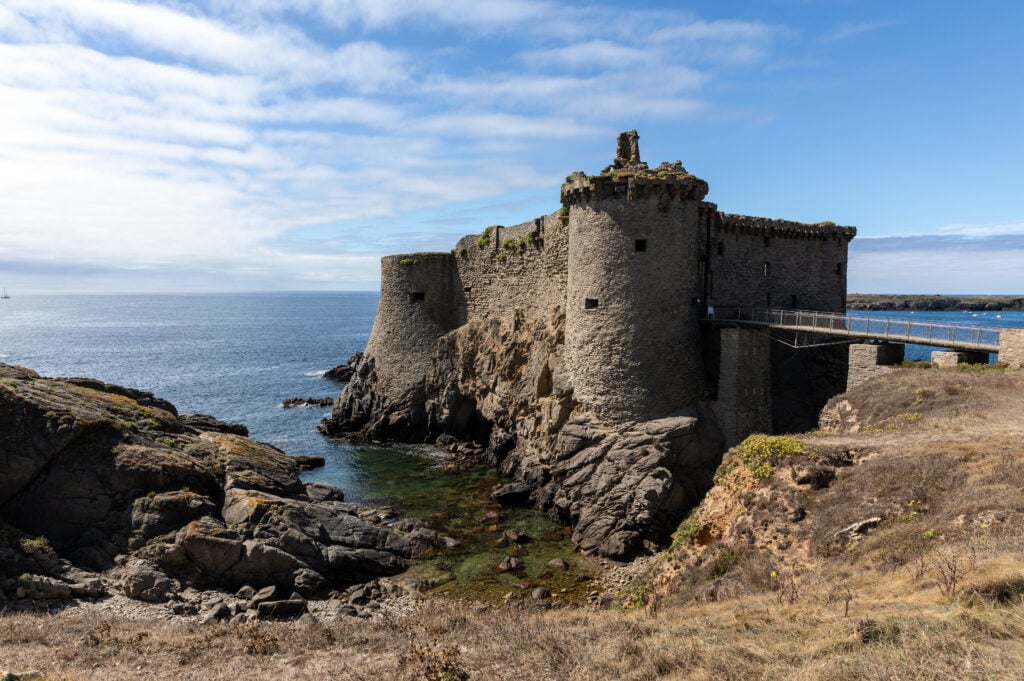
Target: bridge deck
[{"x": 942, "y": 334}]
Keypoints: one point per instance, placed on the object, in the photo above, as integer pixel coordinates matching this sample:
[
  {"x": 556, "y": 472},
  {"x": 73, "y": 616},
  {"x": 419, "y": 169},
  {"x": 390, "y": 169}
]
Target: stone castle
[{"x": 596, "y": 313}]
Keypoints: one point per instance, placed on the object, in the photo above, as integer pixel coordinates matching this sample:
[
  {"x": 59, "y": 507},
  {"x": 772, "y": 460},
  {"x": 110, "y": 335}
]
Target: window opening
[
  {"x": 721, "y": 248},
  {"x": 589, "y": 303},
  {"x": 641, "y": 245},
  {"x": 417, "y": 296}
]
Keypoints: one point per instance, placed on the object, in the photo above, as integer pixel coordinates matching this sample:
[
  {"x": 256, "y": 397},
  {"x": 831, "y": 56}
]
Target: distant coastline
[{"x": 876, "y": 301}]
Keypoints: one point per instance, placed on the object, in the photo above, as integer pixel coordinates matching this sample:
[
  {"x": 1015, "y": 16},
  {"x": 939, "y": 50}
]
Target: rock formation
[{"x": 108, "y": 488}]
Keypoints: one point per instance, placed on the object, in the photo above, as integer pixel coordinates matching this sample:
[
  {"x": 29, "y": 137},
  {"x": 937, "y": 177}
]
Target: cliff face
[{"x": 503, "y": 385}]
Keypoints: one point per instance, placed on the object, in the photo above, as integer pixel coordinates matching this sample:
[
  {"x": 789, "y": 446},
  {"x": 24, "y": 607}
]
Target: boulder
[
  {"x": 513, "y": 494},
  {"x": 41, "y": 587},
  {"x": 144, "y": 582},
  {"x": 204, "y": 422},
  {"x": 280, "y": 610}
]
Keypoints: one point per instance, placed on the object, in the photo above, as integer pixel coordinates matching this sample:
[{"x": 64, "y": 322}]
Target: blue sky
[{"x": 272, "y": 144}]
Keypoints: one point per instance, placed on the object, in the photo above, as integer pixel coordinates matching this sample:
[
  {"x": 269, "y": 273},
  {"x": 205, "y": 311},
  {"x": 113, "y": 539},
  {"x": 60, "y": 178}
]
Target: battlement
[
  {"x": 669, "y": 179},
  {"x": 769, "y": 227}
]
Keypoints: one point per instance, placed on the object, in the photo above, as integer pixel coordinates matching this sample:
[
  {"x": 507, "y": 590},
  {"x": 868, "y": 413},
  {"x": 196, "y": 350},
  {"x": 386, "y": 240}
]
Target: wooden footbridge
[{"x": 896, "y": 329}]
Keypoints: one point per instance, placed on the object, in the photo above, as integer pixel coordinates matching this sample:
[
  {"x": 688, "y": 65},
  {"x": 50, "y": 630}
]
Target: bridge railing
[{"x": 945, "y": 334}]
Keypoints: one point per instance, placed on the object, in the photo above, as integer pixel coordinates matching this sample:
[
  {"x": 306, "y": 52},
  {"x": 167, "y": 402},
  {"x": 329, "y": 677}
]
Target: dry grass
[
  {"x": 745, "y": 638},
  {"x": 766, "y": 590}
]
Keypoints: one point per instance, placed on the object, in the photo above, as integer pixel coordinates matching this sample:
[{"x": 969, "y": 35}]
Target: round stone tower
[
  {"x": 635, "y": 282},
  {"x": 416, "y": 307}
]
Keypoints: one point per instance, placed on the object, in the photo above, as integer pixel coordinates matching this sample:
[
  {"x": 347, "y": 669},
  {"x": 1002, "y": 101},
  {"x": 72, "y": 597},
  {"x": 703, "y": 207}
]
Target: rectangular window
[
  {"x": 721, "y": 248},
  {"x": 589, "y": 303},
  {"x": 767, "y": 241},
  {"x": 701, "y": 266},
  {"x": 467, "y": 289},
  {"x": 839, "y": 268},
  {"x": 641, "y": 245},
  {"x": 792, "y": 301},
  {"x": 417, "y": 296}
]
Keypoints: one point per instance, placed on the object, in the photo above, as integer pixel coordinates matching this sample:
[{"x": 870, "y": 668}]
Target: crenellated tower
[{"x": 634, "y": 295}]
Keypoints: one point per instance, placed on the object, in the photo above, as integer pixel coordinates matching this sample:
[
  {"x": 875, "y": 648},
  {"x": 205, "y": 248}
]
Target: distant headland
[{"x": 885, "y": 301}]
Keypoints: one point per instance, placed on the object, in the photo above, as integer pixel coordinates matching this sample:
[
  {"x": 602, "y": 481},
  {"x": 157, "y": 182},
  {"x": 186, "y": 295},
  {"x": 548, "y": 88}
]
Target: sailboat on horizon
[{"x": 5, "y": 294}]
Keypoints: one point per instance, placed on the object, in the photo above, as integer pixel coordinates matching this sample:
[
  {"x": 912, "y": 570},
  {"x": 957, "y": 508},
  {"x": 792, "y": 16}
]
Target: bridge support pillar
[
  {"x": 1011, "y": 347},
  {"x": 744, "y": 403},
  {"x": 942, "y": 358},
  {"x": 871, "y": 359}
]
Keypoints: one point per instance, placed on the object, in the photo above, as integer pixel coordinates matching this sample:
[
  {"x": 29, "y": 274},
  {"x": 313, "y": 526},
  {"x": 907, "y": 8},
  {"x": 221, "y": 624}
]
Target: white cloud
[{"x": 209, "y": 137}]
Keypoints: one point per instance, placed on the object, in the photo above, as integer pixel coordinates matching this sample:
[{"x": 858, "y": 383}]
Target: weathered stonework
[
  {"x": 594, "y": 316},
  {"x": 950, "y": 358},
  {"x": 868, "y": 360},
  {"x": 1011, "y": 347},
  {"x": 744, "y": 384}
]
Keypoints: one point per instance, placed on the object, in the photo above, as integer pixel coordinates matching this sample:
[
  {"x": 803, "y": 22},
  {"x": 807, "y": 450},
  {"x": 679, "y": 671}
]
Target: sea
[{"x": 239, "y": 356}]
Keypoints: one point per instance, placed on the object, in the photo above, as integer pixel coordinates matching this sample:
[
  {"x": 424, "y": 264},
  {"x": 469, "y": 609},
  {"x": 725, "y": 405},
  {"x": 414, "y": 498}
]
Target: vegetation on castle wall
[
  {"x": 485, "y": 238},
  {"x": 408, "y": 261}
]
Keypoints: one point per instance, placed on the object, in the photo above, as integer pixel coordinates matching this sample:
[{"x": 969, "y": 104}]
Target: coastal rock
[
  {"x": 144, "y": 582},
  {"x": 203, "y": 422},
  {"x": 106, "y": 475},
  {"x": 293, "y": 402},
  {"x": 513, "y": 494},
  {"x": 344, "y": 372},
  {"x": 306, "y": 462}
]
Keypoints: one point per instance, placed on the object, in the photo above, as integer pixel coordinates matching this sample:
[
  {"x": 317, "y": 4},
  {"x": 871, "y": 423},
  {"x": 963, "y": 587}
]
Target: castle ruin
[{"x": 602, "y": 306}]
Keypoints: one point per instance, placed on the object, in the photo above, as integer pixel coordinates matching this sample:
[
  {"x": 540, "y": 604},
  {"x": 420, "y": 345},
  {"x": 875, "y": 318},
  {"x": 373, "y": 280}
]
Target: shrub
[
  {"x": 759, "y": 452},
  {"x": 685, "y": 533},
  {"x": 408, "y": 261},
  {"x": 510, "y": 244},
  {"x": 484, "y": 239},
  {"x": 563, "y": 212},
  {"x": 30, "y": 545},
  {"x": 462, "y": 251}
]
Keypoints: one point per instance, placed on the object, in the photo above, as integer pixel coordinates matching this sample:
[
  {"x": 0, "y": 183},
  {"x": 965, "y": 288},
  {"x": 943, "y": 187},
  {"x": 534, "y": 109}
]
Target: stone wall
[
  {"x": 520, "y": 268},
  {"x": 1011, "y": 347},
  {"x": 868, "y": 360},
  {"x": 757, "y": 262},
  {"x": 632, "y": 337},
  {"x": 744, "y": 384},
  {"x": 950, "y": 358}
]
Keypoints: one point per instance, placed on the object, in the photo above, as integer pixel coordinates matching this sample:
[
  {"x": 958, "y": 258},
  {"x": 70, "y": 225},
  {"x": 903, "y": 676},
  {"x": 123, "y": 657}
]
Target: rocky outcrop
[
  {"x": 502, "y": 385},
  {"x": 114, "y": 481},
  {"x": 343, "y": 372}
]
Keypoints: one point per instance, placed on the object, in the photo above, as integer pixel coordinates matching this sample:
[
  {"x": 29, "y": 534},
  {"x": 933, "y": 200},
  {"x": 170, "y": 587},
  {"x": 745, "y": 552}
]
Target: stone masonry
[{"x": 595, "y": 314}]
